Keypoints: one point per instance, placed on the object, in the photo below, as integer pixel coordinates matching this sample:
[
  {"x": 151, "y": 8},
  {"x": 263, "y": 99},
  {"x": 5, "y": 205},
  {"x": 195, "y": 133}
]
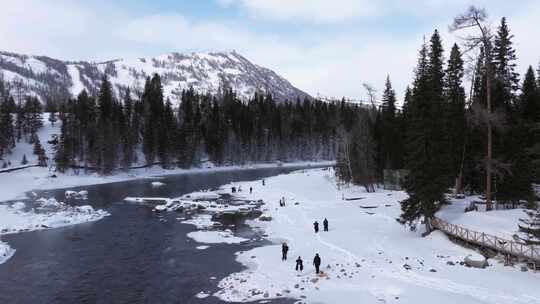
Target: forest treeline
[
  {"x": 107, "y": 133},
  {"x": 442, "y": 134}
]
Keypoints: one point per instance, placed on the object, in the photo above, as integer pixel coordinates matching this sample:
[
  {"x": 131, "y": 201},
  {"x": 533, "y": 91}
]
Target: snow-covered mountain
[{"x": 205, "y": 72}]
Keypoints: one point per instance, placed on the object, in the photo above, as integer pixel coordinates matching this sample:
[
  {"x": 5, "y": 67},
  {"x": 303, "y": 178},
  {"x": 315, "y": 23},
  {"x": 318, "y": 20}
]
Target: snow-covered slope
[{"x": 205, "y": 72}]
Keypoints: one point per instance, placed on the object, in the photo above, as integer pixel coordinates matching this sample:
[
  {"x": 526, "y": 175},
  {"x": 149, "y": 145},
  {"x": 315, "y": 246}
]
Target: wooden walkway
[{"x": 507, "y": 247}]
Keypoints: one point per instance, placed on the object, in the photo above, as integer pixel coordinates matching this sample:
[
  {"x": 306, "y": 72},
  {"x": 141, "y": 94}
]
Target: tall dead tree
[
  {"x": 475, "y": 19},
  {"x": 371, "y": 92}
]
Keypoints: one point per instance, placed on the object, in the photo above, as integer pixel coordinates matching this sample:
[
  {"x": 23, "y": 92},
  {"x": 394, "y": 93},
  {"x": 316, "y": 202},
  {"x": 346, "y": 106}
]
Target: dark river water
[{"x": 132, "y": 256}]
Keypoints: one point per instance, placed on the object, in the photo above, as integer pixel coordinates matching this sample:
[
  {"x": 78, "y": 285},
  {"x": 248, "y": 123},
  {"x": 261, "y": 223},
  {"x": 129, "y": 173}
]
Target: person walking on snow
[
  {"x": 250, "y": 190},
  {"x": 283, "y": 199},
  {"x": 263, "y": 182},
  {"x": 317, "y": 262},
  {"x": 299, "y": 264},
  {"x": 316, "y": 226},
  {"x": 325, "y": 224},
  {"x": 284, "y": 250}
]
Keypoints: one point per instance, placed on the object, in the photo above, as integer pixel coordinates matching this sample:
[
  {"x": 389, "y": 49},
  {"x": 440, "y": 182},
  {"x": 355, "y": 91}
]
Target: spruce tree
[
  {"x": 130, "y": 131},
  {"x": 428, "y": 179},
  {"x": 454, "y": 114},
  {"x": 40, "y": 153},
  {"x": 504, "y": 60},
  {"x": 515, "y": 183},
  {"x": 107, "y": 138},
  {"x": 7, "y": 136},
  {"x": 529, "y": 101},
  {"x": 389, "y": 149}
]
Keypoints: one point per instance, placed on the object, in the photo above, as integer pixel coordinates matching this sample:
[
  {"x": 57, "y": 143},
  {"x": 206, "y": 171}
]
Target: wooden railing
[{"x": 490, "y": 241}]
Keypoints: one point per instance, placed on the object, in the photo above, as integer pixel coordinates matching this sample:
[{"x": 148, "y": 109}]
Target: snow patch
[
  {"x": 215, "y": 237},
  {"x": 6, "y": 252},
  {"x": 80, "y": 195},
  {"x": 157, "y": 184},
  {"x": 202, "y": 295}
]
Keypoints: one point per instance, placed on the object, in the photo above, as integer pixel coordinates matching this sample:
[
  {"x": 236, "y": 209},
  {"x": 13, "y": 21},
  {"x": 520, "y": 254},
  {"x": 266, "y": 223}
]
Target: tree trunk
[
  {"x": 459, "y": 179},
  {"x": 489, "y": 134}
]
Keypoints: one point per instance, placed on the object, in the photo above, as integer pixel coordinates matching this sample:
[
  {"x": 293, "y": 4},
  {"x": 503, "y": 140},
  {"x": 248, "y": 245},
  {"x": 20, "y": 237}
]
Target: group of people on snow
[
  {"x": 299, "y": 262},
  {"x": 239, "y": 189},
  {"x": 234, "y": 189},
  {"x": 316, "y": 226}
]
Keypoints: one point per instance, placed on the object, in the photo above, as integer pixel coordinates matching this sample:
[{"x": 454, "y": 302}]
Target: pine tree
[
  {"x": 108, "y": 138},
  {"x": 428, "y": 178},
  {"x": 24, "y": 160},
  {"x": 504, "y": 57},
  {"x": 7, "y": 136},
  {"x": 529, "y": 101},
  {"x": 516, "y": 182},
  {"x": 529, "y": 108},
  {"x": 32, "y": 117},
  {"x": 130, "y": 130},
  {"x": 153, "y": 101},
  {"x": 389, "y": 149},
  {"x": 455, "y": 123},
  {"x": 40, "y": 153}
]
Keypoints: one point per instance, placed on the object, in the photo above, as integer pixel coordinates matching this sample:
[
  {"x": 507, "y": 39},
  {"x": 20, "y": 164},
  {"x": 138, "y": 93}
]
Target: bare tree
[
  {"x": 371, "y": 93},
  {"x": 475, "y": 18}
]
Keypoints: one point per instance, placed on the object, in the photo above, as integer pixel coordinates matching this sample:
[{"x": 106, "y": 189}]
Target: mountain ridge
[{"x": 206, "y": 72}]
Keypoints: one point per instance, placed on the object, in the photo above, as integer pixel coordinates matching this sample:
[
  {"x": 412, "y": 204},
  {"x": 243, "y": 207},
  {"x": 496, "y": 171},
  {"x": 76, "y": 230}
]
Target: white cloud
[
  {"x": 320, "y": 11},
  {"x": 339, "y": 11},
  {"x": 332, "y": 63}
]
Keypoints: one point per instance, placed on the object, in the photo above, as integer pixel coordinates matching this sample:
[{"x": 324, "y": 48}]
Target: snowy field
[{"x": 367, "y": 257}]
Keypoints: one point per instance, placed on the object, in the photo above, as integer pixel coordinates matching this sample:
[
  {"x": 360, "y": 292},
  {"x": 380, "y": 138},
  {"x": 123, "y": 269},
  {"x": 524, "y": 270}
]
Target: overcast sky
[{"x": 327, "y": 47}]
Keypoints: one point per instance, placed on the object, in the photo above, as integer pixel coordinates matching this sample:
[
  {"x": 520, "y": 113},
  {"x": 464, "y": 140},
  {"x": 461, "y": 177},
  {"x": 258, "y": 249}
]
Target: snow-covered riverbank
[
  {"x": 14, "y": 185},
  {"x": 367, "y": 256}
]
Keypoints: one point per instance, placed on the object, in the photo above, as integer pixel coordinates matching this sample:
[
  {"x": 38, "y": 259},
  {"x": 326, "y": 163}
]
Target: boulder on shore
[{"x": 476, "y": 261}]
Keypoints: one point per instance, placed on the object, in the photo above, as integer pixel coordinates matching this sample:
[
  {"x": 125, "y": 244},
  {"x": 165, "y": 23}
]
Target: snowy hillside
[{"x": 205, "y": 72}]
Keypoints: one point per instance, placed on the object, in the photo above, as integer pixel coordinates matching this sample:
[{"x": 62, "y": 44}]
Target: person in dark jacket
[
  {"x": 299, "y": 264},
  {"x": 317, "y": 262},
  {"x": 250, "y": 190},
  {"x": 284, "y": 250},
  {"x": 263, "y": 183},
  {"x": 316, "y": 226},
  {"x": 325, "y": 224}
]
